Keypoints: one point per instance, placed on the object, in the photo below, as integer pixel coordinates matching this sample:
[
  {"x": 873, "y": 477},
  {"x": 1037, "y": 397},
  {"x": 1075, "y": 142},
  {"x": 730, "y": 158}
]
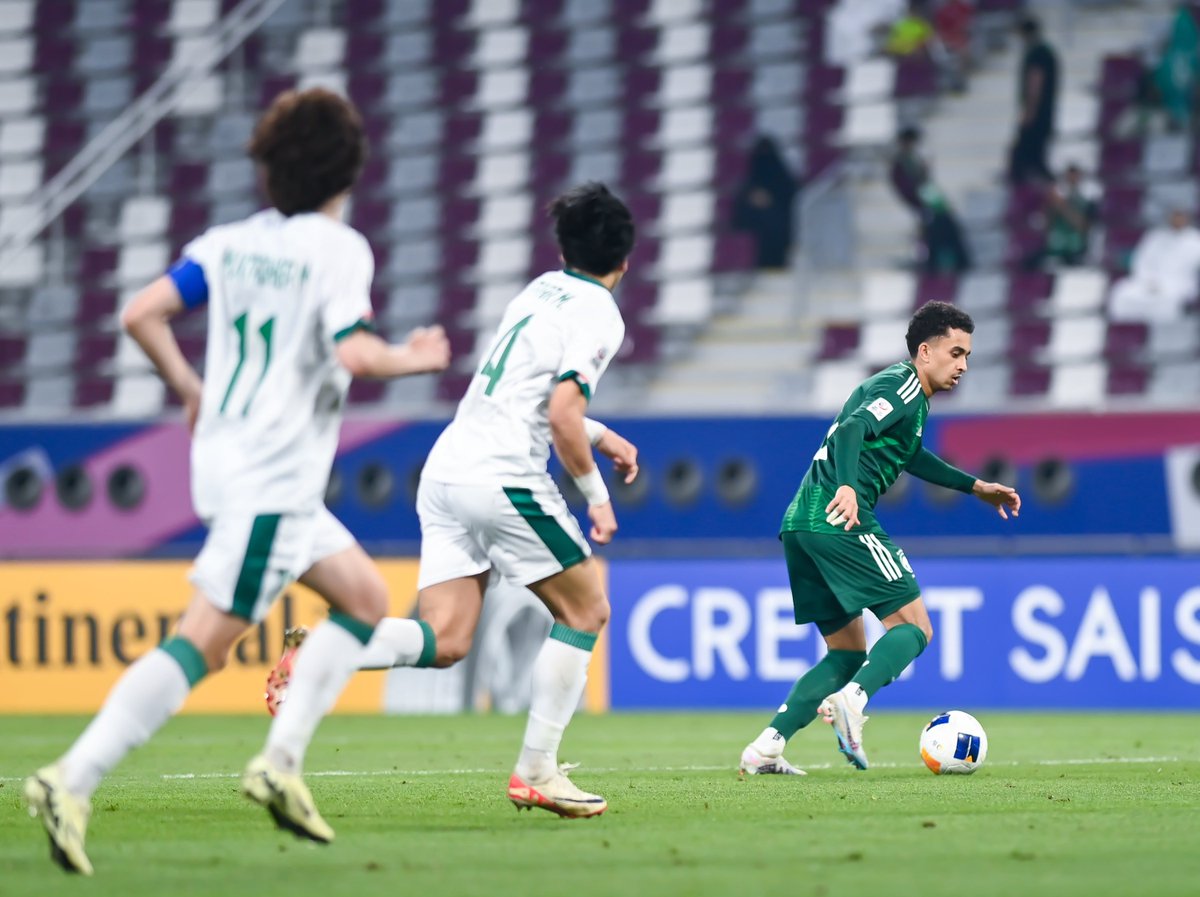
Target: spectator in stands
[
  {"x": 1037, "y": 96},
  {"x": 952, "y": 22},
  {"x": 763, "y": 204},
  {"x": 1164, "y": 274},
  {"x": 944, "y": 248},
  {"x": 912, "y": 33},
  {"x": 1174, "y": 79},
  {"x": 1071, "y": 210}
]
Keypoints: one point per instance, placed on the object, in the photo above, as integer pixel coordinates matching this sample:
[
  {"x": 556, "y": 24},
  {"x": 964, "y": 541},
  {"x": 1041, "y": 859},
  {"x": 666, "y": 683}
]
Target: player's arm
[
  {"x": 613, "y": 446},
  {"x": 147, "y": 318},
  {"x": 847, "y": 449},
  {"x": 932, "y": 469},
  {"x": 366, "y": 354},
  {"x": 566, "y": 412}
]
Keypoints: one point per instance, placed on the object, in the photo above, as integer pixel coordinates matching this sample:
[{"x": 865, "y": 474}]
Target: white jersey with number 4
[
  {"x": 281, "y": 292},
  {"x": 563, "y": 326}
]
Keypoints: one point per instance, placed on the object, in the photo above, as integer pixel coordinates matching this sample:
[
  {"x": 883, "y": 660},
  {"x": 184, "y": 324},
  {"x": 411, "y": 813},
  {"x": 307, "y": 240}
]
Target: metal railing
[{"x": 120, "y": 134}]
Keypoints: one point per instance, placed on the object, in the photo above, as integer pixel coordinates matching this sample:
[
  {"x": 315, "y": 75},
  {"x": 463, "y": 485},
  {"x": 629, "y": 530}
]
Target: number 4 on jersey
[{"x": 503, "y": 345}]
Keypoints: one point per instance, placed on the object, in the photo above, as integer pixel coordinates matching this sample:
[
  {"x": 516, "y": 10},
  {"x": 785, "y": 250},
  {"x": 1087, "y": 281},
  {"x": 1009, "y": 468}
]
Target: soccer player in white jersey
[
  {"x": 289, "y": 324},
  {"x": 486, "y": 501}
]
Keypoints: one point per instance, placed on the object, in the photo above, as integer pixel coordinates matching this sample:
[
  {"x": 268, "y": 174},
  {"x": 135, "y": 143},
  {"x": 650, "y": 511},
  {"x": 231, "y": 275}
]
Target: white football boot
[
  {"x": 558, "y": 794},
  {"x": 286, "y": 798},
  {"x": 848, "y": 724},
  {"x": 64, "y": 816}
]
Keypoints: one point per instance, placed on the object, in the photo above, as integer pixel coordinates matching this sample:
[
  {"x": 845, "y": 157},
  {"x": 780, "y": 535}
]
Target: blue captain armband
[{"x": 189, "y": 280}]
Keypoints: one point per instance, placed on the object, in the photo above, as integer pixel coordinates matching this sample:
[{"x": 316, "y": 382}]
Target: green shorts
[{"x": 834, "y": 578}]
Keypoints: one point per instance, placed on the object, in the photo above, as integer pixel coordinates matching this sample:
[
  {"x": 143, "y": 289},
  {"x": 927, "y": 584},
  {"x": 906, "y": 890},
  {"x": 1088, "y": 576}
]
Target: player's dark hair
[
  {"x": 935, "y": 319},
  {"x": 594, "y": 229},
  {"x": 309, "y": 146}
]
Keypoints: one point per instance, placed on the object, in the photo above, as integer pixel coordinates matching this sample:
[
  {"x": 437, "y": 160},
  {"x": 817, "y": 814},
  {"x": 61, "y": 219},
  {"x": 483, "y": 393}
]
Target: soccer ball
[{"x": 953, "y": 743}]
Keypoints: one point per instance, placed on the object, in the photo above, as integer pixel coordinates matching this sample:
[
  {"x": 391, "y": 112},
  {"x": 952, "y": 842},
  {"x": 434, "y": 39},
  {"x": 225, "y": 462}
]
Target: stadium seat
[
  {"x": 833, "y": 381},
  {"x": 869, "y": 124},
  {"x": 1029, "y": 380},
  {"x": 882, "y": 341},
  {"x": 1125, "y": 341},
  {"x": 1076, "y": 338},
  {"x": 1078, "y": 291},
  {"x": 1127, "y": 379},
  {"x": 1078, "y": 384},
  {"x": 838, "y": 341},
  {"x": 683, "y": 303},
  {"x": 887, "y": 294},
  {"x": 869, "y": 81}
]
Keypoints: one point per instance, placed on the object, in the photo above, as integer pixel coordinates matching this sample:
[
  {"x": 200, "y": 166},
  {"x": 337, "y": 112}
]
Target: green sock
[
  {"x": 827, "y": 676},
  {"x": 896, "y": 649}
]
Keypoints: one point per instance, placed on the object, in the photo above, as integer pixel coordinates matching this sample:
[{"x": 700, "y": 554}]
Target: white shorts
[
  {"x": 248, "y": 559},
  {"x": 526, "y": 533}
]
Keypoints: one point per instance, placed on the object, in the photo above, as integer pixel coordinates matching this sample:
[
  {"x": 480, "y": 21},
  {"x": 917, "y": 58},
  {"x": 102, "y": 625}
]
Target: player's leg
[
  {"x": 341, "y": 573},
  {"x": 908, "y": 633},
  {"x": 892, "y": 594},
  {"x": 576, "y": 600},
  {"x": 143, "y": 699},
  {"x": 449, "y": 609},
  {"x": 535, "y": 541},
  {"x": 814, "y": 602}
]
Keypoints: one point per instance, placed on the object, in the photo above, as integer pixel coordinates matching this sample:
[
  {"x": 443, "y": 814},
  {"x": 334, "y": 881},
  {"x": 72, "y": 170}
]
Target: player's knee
[
  {"x": 370, "y": 602},
  {"x": 926, "y": 630},
  {"x": 215, "y": 658},
  {"x": 590, "y": 618}
]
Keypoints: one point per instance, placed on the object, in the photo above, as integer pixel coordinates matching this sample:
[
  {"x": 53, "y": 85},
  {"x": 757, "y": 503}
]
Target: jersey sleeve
[
  {"x": 888, "y": 402},
  {"x": 589, "y": 348},
  {"x": 347, "y": 307},
  {"x": 196, "y": 266}
]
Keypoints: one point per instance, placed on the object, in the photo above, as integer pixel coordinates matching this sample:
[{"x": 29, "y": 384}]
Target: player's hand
[
  {"x": 843, "y": 508},
  {"x": 604, "y": 522},
  {"x": 429, "y": 349},
  {"x": 622, "y": 452},
  {"x": 1000, "y": 497}
]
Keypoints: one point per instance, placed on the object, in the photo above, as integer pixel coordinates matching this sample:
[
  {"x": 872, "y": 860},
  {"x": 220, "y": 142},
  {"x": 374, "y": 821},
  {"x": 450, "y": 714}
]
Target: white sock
[
  {"x": 144, "y": 698},
  {"x": 396, "y": 642},
  {"x": 559, "y": 675},
  {"x": 855, "y": 696},
  {"x": 770, "y": 743},
  {"x": 324, "y": 664}
]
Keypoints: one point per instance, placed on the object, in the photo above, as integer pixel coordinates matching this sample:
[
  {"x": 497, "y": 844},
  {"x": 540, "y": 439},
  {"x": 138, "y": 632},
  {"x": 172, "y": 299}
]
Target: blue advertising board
[{"x": 1031, "y": 633}]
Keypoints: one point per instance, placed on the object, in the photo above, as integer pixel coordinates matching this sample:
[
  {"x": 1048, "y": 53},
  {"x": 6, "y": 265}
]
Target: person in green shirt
[{"x": 841, "y": 562}]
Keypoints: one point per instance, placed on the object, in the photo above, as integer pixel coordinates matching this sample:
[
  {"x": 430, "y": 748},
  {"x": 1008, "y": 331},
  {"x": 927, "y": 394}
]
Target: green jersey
[{"x": 893, "y": 406}]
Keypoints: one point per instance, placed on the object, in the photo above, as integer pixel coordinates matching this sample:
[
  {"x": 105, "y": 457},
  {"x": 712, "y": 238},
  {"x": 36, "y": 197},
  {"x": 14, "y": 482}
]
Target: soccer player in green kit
[{"x": 840, "y": 561}]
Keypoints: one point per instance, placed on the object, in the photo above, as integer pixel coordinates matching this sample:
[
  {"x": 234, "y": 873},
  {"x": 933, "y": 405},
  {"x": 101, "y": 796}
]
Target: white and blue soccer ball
[{"x": 953, "y": 743}]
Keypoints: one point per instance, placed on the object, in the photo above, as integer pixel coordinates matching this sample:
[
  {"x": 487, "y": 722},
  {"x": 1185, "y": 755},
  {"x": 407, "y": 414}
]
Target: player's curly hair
[
  {"x": 935, "y": 319},
  {"x": 594, "y": 228},
  {"x": 309, "y": 146}
]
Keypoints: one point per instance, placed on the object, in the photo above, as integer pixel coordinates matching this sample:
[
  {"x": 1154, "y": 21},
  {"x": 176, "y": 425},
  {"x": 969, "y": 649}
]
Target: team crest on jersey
[{"x": 880, "y": 408}]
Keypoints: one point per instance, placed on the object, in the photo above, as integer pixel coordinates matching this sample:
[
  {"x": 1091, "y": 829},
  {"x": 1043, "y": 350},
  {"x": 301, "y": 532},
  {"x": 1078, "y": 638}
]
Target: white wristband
[
  {"x": 593, "y": 487},
  {"x": 594, "y": 429}
]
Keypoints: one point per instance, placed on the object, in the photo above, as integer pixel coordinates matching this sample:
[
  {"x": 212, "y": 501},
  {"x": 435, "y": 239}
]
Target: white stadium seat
[
  {"x": 1079, "y": 291},
  {"x": 1079, "y": 385}
]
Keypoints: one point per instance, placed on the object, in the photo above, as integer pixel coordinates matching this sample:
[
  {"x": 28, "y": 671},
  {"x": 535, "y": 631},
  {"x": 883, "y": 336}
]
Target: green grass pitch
[{"x": 1067, "y": 804}]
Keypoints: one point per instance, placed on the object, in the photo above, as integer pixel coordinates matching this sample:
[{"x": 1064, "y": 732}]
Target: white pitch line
[{"x": 343, "y": 773}]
